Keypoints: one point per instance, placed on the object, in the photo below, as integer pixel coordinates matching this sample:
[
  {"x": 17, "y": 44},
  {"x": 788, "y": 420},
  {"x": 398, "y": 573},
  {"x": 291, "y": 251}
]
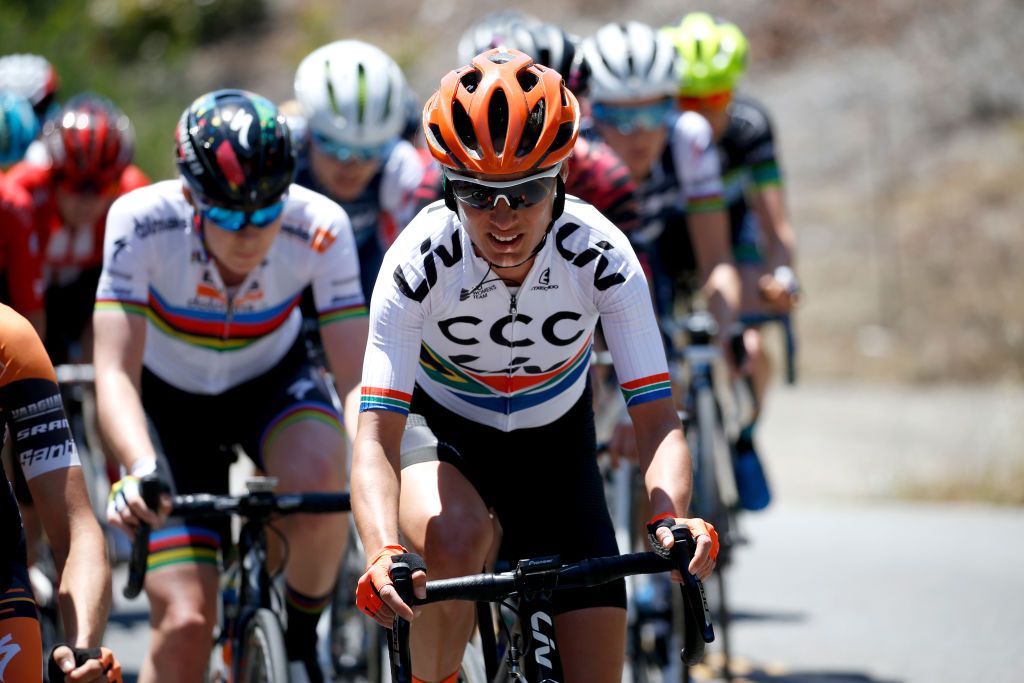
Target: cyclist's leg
[
  {"x": 444, "y": 518},
  {"x": 181, "y": 581},
  {"x": 593, "y": 644},
  {"x": 302, "y": 444}
]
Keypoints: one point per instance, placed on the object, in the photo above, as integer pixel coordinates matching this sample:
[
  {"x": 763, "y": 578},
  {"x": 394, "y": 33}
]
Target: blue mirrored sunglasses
[
  {"x": 627, "y": 119},
  {"x": 234, "y": 220},
  {"x": 343, "y": 152}
]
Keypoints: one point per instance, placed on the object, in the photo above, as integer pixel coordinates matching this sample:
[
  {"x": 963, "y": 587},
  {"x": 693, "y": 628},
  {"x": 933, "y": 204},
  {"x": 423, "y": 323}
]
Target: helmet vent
[
  {"x": 527, "y": 80},
  {"x": 497, "y": 119},
  {"x": 470, "y": 80},
  {"x": 464, "y": 129},
  {"x": 361, "y": 102},
  {"x": 532, "y": 130},
  {"x": 435, "y": 133},
  {"x": 564, "y": 135}
]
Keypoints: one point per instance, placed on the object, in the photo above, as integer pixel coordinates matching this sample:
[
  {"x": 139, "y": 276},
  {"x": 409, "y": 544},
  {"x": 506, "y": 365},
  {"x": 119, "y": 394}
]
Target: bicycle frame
[{"x": 533, "y": 582}]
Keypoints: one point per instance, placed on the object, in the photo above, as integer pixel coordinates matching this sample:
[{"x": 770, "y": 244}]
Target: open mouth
[{"x": 505, "y": 240}]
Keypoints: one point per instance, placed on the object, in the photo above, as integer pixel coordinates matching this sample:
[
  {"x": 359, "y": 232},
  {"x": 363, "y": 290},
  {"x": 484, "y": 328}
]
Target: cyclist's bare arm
[
  {"x": 78, "y": 551},
  {"x": 120, "y": 342},
  {"x": 376, "y": 466},
  {"x": 769, "y": 203},
  {"x": 709, "y": 234},
  {"x": 668, "y": 472},
  {"x": 344, "y": 342}
]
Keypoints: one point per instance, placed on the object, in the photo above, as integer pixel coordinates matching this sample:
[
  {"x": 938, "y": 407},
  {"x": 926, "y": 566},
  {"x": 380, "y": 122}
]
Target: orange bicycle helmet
[{"x": 501, "y": 115}]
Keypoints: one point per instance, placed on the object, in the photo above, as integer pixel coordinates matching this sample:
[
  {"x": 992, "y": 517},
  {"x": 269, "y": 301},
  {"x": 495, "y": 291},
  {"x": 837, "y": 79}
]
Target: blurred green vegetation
[{"x": 133, "y": 51}]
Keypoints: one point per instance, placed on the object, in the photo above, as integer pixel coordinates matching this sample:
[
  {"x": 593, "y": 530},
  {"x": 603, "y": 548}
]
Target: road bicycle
[
  {"x": 249, "y": 645},
  {"x": 526, "y": 650}
]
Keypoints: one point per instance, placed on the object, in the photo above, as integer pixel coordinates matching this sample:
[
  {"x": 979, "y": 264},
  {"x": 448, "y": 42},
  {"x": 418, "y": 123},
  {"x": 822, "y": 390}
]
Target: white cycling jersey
[
  {"x": 202, "y": 337},
  {"x": 442, "y": 319},
  {"x": 686, "y": 178}
]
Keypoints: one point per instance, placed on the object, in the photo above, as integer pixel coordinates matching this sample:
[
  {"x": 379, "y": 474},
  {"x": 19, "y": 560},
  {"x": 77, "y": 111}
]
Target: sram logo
[
  {"x": 41, "y": 428},
  {"x": 449, "y": 257}
]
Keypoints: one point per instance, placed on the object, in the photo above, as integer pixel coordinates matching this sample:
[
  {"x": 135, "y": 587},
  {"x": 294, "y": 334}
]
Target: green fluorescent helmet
[{"x": 712, "y": 54}]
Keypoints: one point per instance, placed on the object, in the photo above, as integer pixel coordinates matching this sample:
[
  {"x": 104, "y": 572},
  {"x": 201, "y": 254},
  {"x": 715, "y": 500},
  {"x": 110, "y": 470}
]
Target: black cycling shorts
[
  {"x": 543, "y": 484},
  {"x": 198, "y": 434}
]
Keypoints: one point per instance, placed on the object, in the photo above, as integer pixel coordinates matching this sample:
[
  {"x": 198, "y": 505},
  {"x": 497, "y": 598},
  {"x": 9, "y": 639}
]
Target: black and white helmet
[
  {"x": 352, "y": 93},
  {"x": 630, "y": 61},
  {"x": 492, "y": 31}
]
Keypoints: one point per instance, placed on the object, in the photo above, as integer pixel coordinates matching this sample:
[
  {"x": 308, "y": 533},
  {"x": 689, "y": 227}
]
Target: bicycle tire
[{"x": 263, "y": 658}]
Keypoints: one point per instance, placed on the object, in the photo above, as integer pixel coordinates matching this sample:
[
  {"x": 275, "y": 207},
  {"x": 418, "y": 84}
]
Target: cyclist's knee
[
  {"x": 185, "y": 629},
  {"x": 308, "y": 457},
  {"x": 455, "y": 542}
]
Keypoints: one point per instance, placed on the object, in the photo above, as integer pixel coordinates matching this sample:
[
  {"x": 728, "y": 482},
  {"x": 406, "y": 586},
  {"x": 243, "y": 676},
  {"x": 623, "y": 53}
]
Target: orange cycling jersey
[
  {"x": 31, "y": 409},
  {"x": 64, "y": 247}
]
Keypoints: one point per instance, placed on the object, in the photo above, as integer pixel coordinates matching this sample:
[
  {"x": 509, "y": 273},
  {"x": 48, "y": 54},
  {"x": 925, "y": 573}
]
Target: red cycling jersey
[
  {"x": 63, "y": 247},
  {"x": 599, "y": 177},
  {"x": 20, "y": 256}
]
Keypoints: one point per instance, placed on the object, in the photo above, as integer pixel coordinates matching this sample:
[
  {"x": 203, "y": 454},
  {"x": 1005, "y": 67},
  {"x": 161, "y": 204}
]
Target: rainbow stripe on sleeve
[
  {"x": 374, "y": 398},
  {"x": 766, "y": 174},
  {"x": 132, "y": 307},
  {"x": 704, "y": 204},
  {"x": 646, "y": 389},
  {"x": 333, "y": 315}
]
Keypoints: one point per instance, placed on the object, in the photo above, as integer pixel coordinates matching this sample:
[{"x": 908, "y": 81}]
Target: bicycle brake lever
[
  {"x": 398, "y": 637},
  {"x": 695, "y": 603}
]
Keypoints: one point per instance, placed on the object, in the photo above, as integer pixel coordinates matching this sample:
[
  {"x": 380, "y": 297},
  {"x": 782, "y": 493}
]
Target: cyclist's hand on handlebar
[
  {"x": 126, "y": 508},
  {"x": 780, "y": 290},
  {"x": 703, "y": 561},
  {"x": 84, "y": 665},
  {"x": 376, "y": 594}
]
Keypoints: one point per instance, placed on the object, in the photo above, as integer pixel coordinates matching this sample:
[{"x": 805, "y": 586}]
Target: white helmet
[
  {"x": 30, "y": 76},
  {"x": 490, "y": 32},
  {"x": 630, "y": 61},
  {"x": 352, "y": 93}
]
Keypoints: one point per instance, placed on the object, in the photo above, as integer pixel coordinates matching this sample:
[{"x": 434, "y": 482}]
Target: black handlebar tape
[
  {"x": 398, "y": 636},
  {"x": 697, "y": 627},
  {"x": 150, "y": 488},
  {"x": 82, "y": 655}
]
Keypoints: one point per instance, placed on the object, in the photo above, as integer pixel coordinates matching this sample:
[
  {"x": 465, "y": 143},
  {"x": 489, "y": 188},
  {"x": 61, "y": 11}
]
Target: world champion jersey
[
  {"x": 509, "y": 358},
  {"x": 202, "y": 337}
]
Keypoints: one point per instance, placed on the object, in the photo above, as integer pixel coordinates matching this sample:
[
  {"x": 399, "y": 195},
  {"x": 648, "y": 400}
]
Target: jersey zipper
[{"x": 513, "y": 311}]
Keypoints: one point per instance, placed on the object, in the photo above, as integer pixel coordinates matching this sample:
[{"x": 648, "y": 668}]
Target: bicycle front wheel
[{"x": 264, "y": 659}]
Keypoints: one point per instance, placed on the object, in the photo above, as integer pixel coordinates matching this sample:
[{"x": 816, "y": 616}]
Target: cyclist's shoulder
[
  {"x": 14, "y": 199},
  {"x": 160, "y": 199},
  {"x": 31, "y": 177},
  {"x": 434, "y": 228},
  {"x": 22, "y": 355},
  {"x": 749, "y": 122},
  {"x": 582, "y": 226},
  {"x": 132, "y": 178}
]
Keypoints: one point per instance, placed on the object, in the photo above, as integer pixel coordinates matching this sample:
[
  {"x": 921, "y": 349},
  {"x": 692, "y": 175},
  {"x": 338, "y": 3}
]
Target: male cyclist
[
  {"x": 482, "y": 326},
  {"x": 30, "y": 408},
  {"x": 89, "y": 145},
  {"x": 632, "y": 80},
  {"x": 713, "y": 57},
  {"x": 197, "y": 322},
  {"x": 22, "y": 283},
  {"x": 354, "y": 98}
]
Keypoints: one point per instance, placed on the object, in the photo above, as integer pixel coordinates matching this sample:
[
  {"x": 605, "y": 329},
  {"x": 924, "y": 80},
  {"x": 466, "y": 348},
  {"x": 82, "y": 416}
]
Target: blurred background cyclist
[{"x": 713, "y": 56}]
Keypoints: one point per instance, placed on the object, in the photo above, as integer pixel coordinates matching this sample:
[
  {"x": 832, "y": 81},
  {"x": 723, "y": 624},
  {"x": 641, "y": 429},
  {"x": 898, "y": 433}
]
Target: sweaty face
[
  {"x": 505, "y": 236},
  {"x": 238, "y": 252}
]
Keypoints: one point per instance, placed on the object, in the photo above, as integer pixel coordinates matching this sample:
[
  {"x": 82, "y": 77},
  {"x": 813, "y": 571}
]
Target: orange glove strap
[{"x": 376, "y": 576}]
